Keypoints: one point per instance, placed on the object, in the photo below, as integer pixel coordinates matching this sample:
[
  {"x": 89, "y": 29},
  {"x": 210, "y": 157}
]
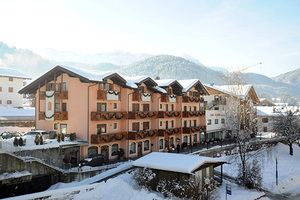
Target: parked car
[
  {"x": 10, "y": 134},
  {"x": 44, "y": 134},
  {"x": 93, "y": 160}
]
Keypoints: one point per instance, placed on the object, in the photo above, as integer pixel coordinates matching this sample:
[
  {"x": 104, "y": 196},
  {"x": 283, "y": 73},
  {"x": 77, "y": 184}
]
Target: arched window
[
  {"x": 185, "y": 139},
  {"x": 146, "y": 145},
  {"x": 49, "y": 106},
  {"x": 114, "y": 149},
  {"x": 195, "y": 138},
  {"x": 132, "y": 148},
  {"x": 161, "y": 143},
  {"x": 92, "y": 151}
]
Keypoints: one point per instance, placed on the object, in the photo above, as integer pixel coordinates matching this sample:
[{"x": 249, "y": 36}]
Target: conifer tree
[
  {"x": 16, "y": 141},
  {"x": 37, "y": 139}
]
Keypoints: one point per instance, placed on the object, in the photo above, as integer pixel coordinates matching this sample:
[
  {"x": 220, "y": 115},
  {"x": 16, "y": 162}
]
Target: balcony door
[
  {"x": 101, "y": 107},
  {"x": 135, "y": 107},
  {"x": 167, "y": 124}
]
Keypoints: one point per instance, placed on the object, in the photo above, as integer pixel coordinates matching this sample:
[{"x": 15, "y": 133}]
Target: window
[
  {"x": 49, "y": 106},
  {"x": 171, "y": 141},
  {"x": 0, "y": 89},
  {"x": 115, "y": 126},
  {"x": 55, "y": 126},
  {"x": 10, "y": 89},
  {"x": 160, "y": 106},
  {"x": 185, "y": 139},
  {"x": 195, "y": 138},
  {"x": 167, "y": 107},
  {"x": 115, "y": 106},
  {"x": 101, "y": 107},
  {"x": 265, "y": 129},
  {"x": 0, "y": 101},
  {"x": 216, "y": 97},
  {"x": 11, "y": 79},
  {"x": 190, "y": 94},
  {"x": 50, "y": 87},
  {"x": 185, "y": 108},
  {"x": 114, "y": 149},
  {"x": 63, "y": 128},
  {"x": 185, "y": 123},
  {"x": 216, "y": 121},
  {"x": 135, "y": 126},
  {"x": 160, "y": 123},
  {"x": 161, "y": 144},
  {"x": 101, "y": 128},
  {"x": 132, "y": 148},
  {"x": 216, "y": 108},
  {"x": 146, "y": 107},
  {"x": 64, "y": 86},
  {"x": 209, "y": 122},
  {"x": 172, "y": 124},
  {"x": 146, "y": 126},
  {"x": 190, "y": 108},
  {"x": 190, "y": 123},
  {"x": 92, "y": 150},
  {"x": 135, "y": 107},
  {"x": 64, "y": 107},
  {"x": 195, "y": 108},
  {"x": 146, "y": 145},
  {"x": 265, "y": 120},
  {"x": 57, "y": 107},
  {"x": 172, "y": 107},
  {"x": 9, "y": 102},
  {"x": 195, "y": 122},
  {"x": 109, "y": 87},
  {"x": 222, "y": 121}
]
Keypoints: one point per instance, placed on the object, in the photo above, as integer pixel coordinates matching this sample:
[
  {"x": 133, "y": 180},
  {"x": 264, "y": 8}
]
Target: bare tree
[{"x": 288, "y": 124}]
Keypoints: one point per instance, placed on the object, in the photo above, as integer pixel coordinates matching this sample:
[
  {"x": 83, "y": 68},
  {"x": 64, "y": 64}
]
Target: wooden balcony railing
[
  {"x": 65, "y": 94},
  {"x": 193, "y": 129},
  {"x": 193, "y": 113},
  {"x": 141, "y": 134},
  {"x": 42, "y": 116},
  {"x": 142, "y": 115},
  {"x": 187, "y": 99},
  {"x": 98, "y": 116},
  {"x": 163, "y": 132},
  {"x": 163, "y": 114},
  {"x": 164, "y": 98},
  {"x": 108, "y": 95},
  {"x": 135, "y": 96},
  {"x": 107, "y": 138},
  {"x": 42, "y": 96}
]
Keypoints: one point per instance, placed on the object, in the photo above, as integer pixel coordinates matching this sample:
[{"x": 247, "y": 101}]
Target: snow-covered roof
[
  {"x": 159, "y": 89},
  {"x": 9, "y": 72},
  {"x": 134, "y": 80},
  {"x": 164, "y": 82},
  {"x": 187, "y": 84},
  {"x": 237, "y": 90},
  {"x": 276, "y": 110},
  {"x": 175, "y": 162}
]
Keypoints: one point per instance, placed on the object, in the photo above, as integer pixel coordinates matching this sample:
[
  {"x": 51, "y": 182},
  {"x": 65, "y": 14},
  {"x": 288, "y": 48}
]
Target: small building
[
  {"x": 11, "y": 81},
  {"x": 179, "y": 167}
]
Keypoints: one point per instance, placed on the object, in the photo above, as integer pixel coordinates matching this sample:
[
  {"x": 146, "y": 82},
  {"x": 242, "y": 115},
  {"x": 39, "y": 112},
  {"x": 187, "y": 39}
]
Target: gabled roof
[
  {"x": 9, "y": 72},
  {"x": 270, "y": 103},
  {"x": 177, "y": 87},
  {"x": 83, "y": 75},
  {"x": 134, "y": 81},
  {"x": 181, "y": 163},
  {"x": 190, "y": 83}
]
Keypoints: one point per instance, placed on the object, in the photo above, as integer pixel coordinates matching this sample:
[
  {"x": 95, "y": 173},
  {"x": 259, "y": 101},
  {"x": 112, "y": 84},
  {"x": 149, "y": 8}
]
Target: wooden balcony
[
  {"x": 42, "y": 96},
  {"x": 193, "y": 113},
  {"x": 99, "y": 116},
  {"x": 164, "y": 98},
  {"x": 108, "y": 95},
  {"x": 65, "y": 94},
  {"x": 163, "y": 114},
  {"x": 107, "y": 138},
  {"x": 141, "y": 134},
  {"x": 101, "y": 94},
  {"x": 142, "y": 115},
  {"x": 61, "y": 116},
  {"x": 187, "y": 99},
  {"x": 193, "y": 129},
  {"x": 135, "y": 96},
  {"x": 163, "y": 132},
  {"x": 42, "y": 116}
]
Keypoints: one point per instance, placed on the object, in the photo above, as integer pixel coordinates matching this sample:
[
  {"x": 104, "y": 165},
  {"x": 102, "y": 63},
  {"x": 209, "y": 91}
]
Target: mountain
[
  {"x": 167, "y": 66},
  {"x": 116, "y": 57},
  {"x": 292, "y": 77}
]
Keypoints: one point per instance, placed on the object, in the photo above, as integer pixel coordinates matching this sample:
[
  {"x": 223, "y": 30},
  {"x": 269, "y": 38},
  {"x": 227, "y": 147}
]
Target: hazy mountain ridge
[{"x": 292, "y": 77}]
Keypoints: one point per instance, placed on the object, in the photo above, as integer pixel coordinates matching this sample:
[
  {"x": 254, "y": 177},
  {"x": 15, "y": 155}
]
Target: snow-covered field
[{"x": 125, "y": 187}]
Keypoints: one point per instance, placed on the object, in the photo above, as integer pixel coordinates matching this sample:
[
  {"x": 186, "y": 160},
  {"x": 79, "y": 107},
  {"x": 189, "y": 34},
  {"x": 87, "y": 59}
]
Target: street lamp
[
  {"x": 276, "y": 158},
  {"x": 207, "y": 183}
]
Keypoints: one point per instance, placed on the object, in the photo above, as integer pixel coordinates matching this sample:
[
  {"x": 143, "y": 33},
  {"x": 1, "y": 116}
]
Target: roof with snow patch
[{"x": 9, "y": 72}]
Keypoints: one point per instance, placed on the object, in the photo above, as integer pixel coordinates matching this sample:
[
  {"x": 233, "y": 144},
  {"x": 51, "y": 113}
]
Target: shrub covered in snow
[{"x": 252, "y": 176}]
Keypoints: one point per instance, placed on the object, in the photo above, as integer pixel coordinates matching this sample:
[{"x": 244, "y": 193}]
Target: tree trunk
[{"x": 291, "y": 148}]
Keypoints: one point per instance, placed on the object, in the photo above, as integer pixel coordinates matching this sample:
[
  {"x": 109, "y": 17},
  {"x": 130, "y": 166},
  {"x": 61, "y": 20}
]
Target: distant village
[{"x": 85, "y": 113}]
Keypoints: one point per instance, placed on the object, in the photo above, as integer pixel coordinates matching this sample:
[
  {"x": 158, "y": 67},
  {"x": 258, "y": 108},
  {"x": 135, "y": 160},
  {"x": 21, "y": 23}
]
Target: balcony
[
  {"x": 187, "y": 99},
  {"x": 168, "y": 98},
  {"x": 108, "y": 95},
  {"x": 61, "y": 116},
  {"x": 163, "y": 132},
  {"x": 142, "y": 115},
  {"x": 219, "y": 102},
  {"x": 135, "y": 96},
  {"x": 163, "y": 114},
  {"x": 193, "y": 129},
  {"x": 42, "y": 116},
  {"x": 106, "y": 138},
  {"x": 193, "y": 113},
  {"x": 146, "y": 97},
  {"x": 99, "y": 116},
  {"x": 141, "y": 134}
]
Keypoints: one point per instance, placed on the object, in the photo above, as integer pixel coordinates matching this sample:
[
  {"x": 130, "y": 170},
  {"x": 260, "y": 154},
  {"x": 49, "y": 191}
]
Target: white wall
[
  {"x": 15, "y": 97},
  {"x": 212, "y": 115}
]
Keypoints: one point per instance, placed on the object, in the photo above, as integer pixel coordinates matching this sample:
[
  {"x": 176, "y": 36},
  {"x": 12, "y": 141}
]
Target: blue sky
[{"x": 232, "y": 34}]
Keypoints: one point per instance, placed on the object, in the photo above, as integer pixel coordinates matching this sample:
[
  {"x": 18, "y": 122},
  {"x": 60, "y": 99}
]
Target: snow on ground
[{"x": 288, "y": 169}]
